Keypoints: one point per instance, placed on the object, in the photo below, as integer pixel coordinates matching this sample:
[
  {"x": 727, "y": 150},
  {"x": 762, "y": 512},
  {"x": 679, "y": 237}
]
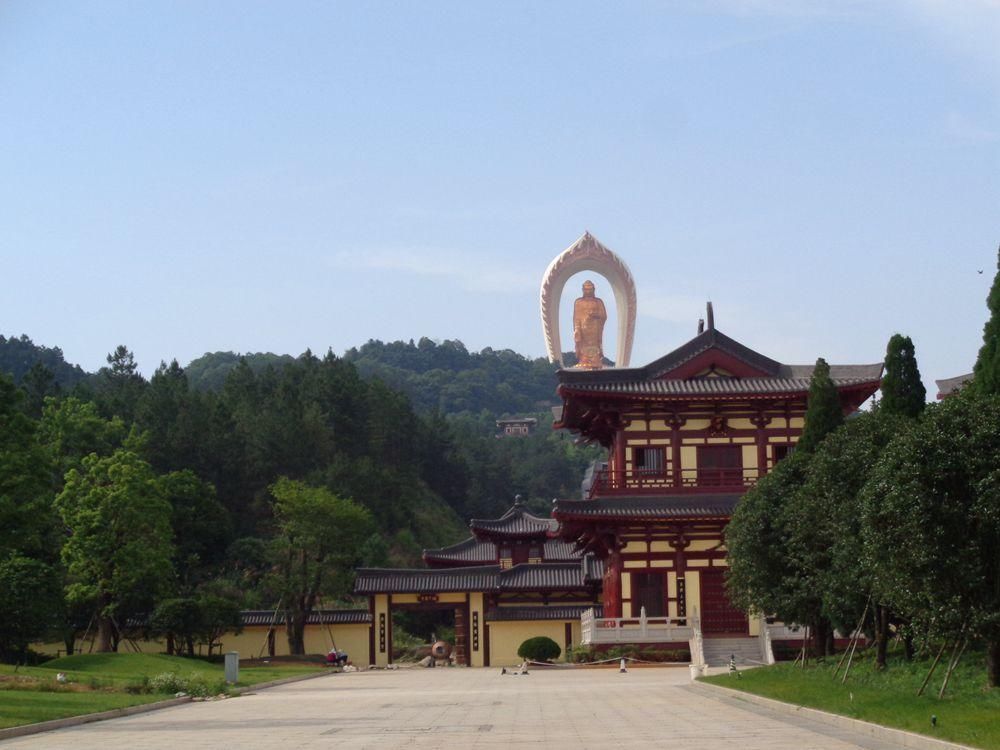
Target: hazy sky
[{"x": 184, "y": 177}]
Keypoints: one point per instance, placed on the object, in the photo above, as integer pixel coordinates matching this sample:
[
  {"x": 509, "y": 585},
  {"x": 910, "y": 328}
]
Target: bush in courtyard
[
  {"x": 539, "y": 648},
  {"x": 169, "y": 682}
]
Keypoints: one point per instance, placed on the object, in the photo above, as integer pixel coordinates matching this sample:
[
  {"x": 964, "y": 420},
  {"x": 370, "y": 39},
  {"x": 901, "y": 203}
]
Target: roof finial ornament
[
  {"x": 710, "y": 316},
  {"x": 517, "y": 501},
  {"x": 701, "y": 325}
]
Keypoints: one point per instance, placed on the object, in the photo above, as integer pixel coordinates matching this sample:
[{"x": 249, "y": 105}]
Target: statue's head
[{"x": 588, "y": 288}]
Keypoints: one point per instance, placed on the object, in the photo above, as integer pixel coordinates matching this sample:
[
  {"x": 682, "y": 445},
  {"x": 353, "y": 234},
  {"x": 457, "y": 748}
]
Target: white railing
[
  {"x": 783, "y": 632},
  {"x": 696, "y": 642},
  {"x": 639, "y": 629}
]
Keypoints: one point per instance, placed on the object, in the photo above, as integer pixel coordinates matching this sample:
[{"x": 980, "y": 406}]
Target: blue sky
[{"x": 184, "y": 177}]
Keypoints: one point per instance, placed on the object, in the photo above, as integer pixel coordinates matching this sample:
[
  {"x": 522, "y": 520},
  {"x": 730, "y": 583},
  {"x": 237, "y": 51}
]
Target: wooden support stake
[
  {"x": 854, "y": 639},
  {"x": 937, "y": 658},
  {"x": 951, "y": 668}
]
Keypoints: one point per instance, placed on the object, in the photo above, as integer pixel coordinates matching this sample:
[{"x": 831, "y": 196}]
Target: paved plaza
[{"x": 463, "y": 708}]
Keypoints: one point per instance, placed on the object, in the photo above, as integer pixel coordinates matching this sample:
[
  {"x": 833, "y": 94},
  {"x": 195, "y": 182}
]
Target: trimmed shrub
[{"x": 539, "y": 648}]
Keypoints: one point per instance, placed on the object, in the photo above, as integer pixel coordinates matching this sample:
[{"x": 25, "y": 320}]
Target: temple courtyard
[{"x": 464, "y": 708}]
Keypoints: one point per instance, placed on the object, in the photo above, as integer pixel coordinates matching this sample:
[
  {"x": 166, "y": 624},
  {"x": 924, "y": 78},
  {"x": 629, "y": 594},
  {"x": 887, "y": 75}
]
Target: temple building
[
  {"x": 516, "y": 426},
  {"x": 640, "y": 558},
  {"x": 513, "y": 579},
  {"x": 686, "y": 436}
]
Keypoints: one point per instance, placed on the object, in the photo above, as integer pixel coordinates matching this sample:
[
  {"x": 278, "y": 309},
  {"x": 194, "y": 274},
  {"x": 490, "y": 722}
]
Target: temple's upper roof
[
  {"x": 525, "y": 577},
  {"x": 689, "y": 370},
  {"x": 516, "y": 522},
  {"x": 653, "y": 508},
  {"x": 948, "y": 386},
  {"x": 474, "y": 551}
]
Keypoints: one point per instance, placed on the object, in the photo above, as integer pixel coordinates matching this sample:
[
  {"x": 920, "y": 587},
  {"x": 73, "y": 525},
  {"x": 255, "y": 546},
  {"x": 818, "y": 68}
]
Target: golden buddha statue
[{"x": 589, "y": 317}]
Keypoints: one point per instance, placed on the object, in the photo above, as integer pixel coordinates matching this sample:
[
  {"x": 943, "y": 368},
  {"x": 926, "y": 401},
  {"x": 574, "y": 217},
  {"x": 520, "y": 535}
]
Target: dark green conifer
[
  {"x": 824, "y": 413},
  {"x": 903, "y": 392},
  {"x": 987, "y": 371}
]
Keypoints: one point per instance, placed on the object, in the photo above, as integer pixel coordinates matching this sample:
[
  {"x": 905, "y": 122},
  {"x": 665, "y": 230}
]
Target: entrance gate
[{"x": 718, "y": 615}]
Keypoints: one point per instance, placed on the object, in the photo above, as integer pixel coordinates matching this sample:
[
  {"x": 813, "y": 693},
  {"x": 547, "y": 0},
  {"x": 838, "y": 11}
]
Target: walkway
[{"x": 461, "y": 708}]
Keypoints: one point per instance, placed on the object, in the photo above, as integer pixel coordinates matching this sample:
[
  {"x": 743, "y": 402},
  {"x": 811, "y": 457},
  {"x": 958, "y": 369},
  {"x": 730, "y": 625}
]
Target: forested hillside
[
  {"x": 19, "y": 354},
  {"x": 447, "y": 377},
  {"x": 267, "y": 484}
]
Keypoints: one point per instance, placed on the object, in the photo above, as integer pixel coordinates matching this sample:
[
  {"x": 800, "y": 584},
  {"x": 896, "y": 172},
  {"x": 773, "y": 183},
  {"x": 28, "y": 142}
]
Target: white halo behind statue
[{"x": 587, "y": 254}]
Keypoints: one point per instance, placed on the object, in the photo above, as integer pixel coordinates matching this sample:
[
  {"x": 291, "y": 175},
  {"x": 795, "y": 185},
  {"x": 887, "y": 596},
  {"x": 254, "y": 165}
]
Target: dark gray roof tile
[
  {"x": 563, "y": 612},
  {"x": 649, "y": 508},
  {"x": 319, "y": 617}
]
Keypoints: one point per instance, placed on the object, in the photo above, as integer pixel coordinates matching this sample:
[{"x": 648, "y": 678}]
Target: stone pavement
[{"x": 462, "y": 708}]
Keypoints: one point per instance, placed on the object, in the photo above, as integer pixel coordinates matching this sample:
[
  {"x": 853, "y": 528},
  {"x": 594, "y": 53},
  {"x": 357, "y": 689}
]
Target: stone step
[{"x": 717, "y": 651}]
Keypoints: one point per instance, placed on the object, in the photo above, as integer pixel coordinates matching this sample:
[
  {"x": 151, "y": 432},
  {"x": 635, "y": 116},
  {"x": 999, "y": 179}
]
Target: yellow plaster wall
[
  {"x": 740, "y": 423},
  {"x": 749, "y": 456},
  {"x": 661, "y": 563},
  {"x": 797, "y": 422},
  {"x": 251, "y": 643},
  {"x": 634, "y": 564},
  {"x": 700, "y": 545},
  {"x": 660, "y": 547},
  {"x": 634, "y": 547},
  {"x": 506, "y": 638},
  {"x": 658, "y": 425},
  {"x": 696, "y": 424},
  {"x": 636, "y": 425},
  {"x": 689, "y": 457},
  {"x": 698, "y": 563},
  {"x": 626, "y": 586}
]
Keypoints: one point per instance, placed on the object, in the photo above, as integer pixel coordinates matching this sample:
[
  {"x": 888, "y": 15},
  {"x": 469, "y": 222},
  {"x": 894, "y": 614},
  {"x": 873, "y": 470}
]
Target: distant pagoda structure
[{"x": 514, "y": 578}]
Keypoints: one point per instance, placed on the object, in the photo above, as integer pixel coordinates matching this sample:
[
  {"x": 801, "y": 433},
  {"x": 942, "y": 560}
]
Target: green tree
[
  {"x": 39, "y": 383},
  {"x": 201, "y": 526},
  {"x": 902, "y": 390},
  {"x": 319, "y": 539},
  {"x": 987, "y": 370},
  {"x": 178, "y": 619},
  {"x": 204, "y": 619},
  {"x": 30, "y": 603},
  {"x": 776, "y": 546},
  {"x": 825, "y": 545},
  {"x": 119, "y": 385},
  {"x": 118, "y": 552},
  {"x": 762, "y": 577},
  {"x": 26, "y": 520},
  {"x": 71, "y": 429},
  {"x": 824, "y": 413},
  {"x": 931, "y": 522}
]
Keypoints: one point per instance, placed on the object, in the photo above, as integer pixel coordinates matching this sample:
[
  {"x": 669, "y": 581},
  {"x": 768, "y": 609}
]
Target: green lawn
[
  {"x": 99, "y": 682},
  {"x": 969, "y": 713},
  {"x": 31, "y": 706}
]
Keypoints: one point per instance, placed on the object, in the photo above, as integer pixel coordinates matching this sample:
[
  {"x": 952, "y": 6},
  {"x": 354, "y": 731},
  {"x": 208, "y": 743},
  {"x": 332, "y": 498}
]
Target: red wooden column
[
  {"x": 760, "y": 421},
  {"x": 675, "y": 423},
  {"x": 618, "y": 469},
  {"x": 461, "y": 635},
  {"x": 611, "y": 592}
]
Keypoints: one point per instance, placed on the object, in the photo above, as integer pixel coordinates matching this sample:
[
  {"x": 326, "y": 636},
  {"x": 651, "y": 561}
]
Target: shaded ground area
[{"x": 461, "y": 708}]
